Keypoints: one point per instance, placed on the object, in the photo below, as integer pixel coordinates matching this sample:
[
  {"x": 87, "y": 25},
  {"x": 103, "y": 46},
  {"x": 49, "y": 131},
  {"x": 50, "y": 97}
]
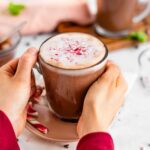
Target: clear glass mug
[
  {"x": 115, "y": 17},
  {"x": 66, "y": 88},
  {"x": 9, "y": 52},
  {"x": 144, "y": 68}
]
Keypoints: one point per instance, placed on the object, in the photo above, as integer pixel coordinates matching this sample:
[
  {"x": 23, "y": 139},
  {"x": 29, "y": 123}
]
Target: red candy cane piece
[
  {"x": 36, "y": 124},
  {"x": 38, "y": 92},
  {"x": 31, "y": 111}
]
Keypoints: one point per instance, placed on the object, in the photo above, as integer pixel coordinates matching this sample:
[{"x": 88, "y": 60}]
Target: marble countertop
[{"x": 131, "y": 128}]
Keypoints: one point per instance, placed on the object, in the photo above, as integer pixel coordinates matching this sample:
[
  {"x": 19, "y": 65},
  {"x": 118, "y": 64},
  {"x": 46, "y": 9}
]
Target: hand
[
  {"x": 16, "y": 83},
  {"x": 102, "y": 102},
  {"x": 75, "y": 11}
]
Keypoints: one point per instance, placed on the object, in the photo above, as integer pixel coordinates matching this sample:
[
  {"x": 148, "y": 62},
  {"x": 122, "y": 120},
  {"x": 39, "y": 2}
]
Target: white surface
[{"x": 131, "y": 129}]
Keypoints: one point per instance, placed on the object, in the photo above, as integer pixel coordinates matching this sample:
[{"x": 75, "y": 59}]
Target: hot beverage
[
  {"x": 115, "y": 17},
  {"x": 70, "y": 63}
]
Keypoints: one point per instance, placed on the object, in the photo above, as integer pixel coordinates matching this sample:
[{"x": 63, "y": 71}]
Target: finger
[
  {"x": 10, "y": 67},
  {"x": 117, "y": 106},
  {"x": 122, "y": 85},
  {"x": 121, "y": 101},
  {"x": 33, "y": 84},
  {"x": 110, "y": 62},
  {"x": 111, "y": 74},
  {"x": 26, "y": 63}
]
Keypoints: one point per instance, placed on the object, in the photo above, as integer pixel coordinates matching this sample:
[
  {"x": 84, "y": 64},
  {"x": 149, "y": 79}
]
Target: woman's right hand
[{"x": 103, "y": 100}]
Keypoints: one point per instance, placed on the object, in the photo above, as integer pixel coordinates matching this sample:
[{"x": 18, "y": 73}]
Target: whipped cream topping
[{"x": 72, "y": 51}]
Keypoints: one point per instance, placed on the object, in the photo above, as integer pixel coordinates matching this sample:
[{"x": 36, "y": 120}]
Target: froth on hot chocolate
[{"x": 72, "y": 51}]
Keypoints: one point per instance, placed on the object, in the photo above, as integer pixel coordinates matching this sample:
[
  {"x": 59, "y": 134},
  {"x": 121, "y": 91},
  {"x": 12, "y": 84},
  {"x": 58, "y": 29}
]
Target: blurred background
[
  {"x": 123, "y": 25},
  {"x": 119, "y": 24}
]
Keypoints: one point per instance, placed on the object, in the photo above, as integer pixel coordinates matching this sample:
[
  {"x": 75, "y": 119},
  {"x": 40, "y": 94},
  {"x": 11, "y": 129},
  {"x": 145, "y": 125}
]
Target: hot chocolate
[
  {"x": 115, "y": 15},
  {"x": 70, "y": 63}
]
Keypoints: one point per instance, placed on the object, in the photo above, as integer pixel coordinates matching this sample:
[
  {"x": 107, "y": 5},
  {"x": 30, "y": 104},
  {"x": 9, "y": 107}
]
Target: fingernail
[
  {"x": 109, "y": 62},
  {"x": 32, "y": 51}
]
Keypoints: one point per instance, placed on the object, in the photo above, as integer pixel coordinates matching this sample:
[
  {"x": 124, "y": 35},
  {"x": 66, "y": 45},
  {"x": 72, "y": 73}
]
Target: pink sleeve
[
  {"x": 96, "y": 141},
  {"x": 8, "y": 139}
]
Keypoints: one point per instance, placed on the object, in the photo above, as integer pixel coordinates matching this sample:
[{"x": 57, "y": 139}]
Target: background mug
[{"x": 115, "y": 17}]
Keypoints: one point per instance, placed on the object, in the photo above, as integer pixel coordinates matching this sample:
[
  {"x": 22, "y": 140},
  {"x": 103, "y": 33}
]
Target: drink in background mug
[
  {"x": 115, "y": 17},
  {"x": 70, "y": 63}
]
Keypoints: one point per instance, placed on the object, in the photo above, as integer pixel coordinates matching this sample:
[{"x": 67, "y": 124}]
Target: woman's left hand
[{"x": 16, "y": 82}]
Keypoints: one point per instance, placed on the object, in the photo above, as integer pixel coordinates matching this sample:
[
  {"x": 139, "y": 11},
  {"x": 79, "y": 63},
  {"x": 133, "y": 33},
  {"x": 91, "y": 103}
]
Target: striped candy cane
[
  {"x": 38, "y": 93},
  {"x": 31, "y": 111},
  {"x": 37, "y": 125}
]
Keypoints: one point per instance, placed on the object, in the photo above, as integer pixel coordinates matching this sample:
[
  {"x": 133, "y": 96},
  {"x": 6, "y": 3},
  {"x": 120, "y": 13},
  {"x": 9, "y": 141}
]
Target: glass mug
[
  {"x": 115, "y": 17},
  {"x": 66, "y": 88},
  {"x": 144, "y": 69},
  {"x": 9, "y": 52}
]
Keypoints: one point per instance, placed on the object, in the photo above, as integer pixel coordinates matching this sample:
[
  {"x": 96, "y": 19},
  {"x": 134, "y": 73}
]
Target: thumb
[{"x": 26, "y": 63}]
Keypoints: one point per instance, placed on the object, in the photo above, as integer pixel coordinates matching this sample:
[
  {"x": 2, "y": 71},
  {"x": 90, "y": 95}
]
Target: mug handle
[
  {"x": 143, "y": 14},
  {"x": 44, "y": 103},
  {"x": 36, "y": 66}
]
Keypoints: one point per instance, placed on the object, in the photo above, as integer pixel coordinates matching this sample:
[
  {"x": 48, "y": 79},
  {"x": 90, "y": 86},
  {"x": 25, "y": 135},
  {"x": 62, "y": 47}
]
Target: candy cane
[
  {"x": 37, "y": 125},
  {"x": 31, "y": 110},
  {"x": 38, "y": 93}
]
